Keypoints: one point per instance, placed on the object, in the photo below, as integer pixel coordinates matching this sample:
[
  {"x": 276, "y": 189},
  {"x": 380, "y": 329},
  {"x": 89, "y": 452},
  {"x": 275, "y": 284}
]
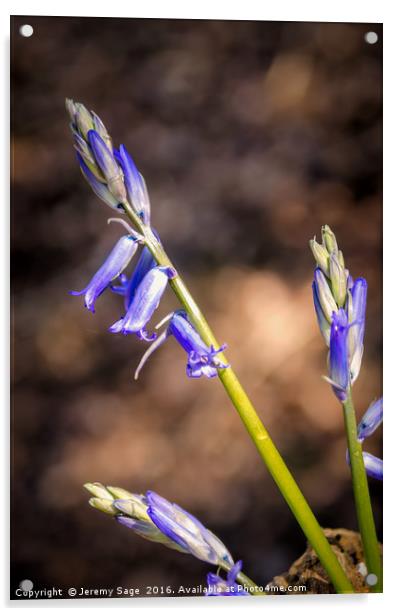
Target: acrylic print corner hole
[{"x": 26, "y": 30}]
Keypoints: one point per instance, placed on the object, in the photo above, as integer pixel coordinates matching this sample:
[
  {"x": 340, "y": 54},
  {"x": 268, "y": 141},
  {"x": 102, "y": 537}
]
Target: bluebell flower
[
  {"x": 145, "y": 301},
  {"x": 371, "y": 420},
  {"x": 115, "y": 263},
  {"x": 109, "y": 166},
  {"x": 201, "y": 359},
  {"x": 217, "y": 586},
  {"x": 185, "y": 530},
  {"x": 135, "y": 184},
  {"x": 356, "y": 310},
  {"x": 373, "y": 466},
  {"x": 338, "y": 357}
]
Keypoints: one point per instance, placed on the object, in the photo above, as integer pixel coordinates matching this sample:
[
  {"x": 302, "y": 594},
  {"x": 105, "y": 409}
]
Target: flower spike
[{"x": 117, "y": 260}]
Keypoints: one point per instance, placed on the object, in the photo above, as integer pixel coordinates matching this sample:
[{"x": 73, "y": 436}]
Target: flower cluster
[
  {"x": 115, "y": 179},
  {"x": 340, "y": 304},
  {"x": 369, "y": 423}
]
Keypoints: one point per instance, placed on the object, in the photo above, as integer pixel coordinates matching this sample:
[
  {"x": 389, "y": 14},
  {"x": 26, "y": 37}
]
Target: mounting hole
[
  {"x": 371, "y": 38},
  {"x": 371, "y": 579},
  {"x": 26, "y": 30},
  {"x": 26, "y": 585}
]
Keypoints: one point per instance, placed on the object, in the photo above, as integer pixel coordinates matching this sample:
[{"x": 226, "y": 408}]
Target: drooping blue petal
[
  {"x": 356, "y": 310},
  {"x": 99, "y": 188},
  {"x": 145, "y": 301},
  {"x": 115, "y": 263},
  {"x": 371, "y": 420},
  {"x": 373, "y": 465},
  {"x": 339, "y": 365},
  {"x": 135, "y": 184}
]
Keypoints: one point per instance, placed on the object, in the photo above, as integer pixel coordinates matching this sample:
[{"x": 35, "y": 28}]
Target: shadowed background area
[{"x": 250, "y": 136}]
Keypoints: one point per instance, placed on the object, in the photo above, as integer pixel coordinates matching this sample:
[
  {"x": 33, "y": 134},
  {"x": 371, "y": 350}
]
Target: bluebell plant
[
  {"x": 115, "y": 179},
  {"x": 340, "y": 303}
]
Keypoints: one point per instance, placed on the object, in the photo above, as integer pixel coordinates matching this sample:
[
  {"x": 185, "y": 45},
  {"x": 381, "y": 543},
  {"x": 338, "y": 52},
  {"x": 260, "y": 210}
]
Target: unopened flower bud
[
  {"x": 321, "y": 256},
  {"x": 98, "y": 490},
  {"x": 338, "y": 280},
  {"x": 83, "y": 119},
  {"x": 324, "y": 295},
  {"x": 71, "y": 109},
  {"x": 329, "y": 239},
  {"x": 104, "y": 505},
  {"x": 108, "y": 165},
  {"x": 119, "y": 492},
  {"x": 101, "y": 130}
]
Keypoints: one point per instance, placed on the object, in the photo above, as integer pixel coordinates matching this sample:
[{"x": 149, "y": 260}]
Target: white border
[{"x": 283, "y": 10}]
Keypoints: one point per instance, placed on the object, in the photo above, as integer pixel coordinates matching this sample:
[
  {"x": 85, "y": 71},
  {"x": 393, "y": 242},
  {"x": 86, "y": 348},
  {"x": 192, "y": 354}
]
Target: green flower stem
[
  {"x": 362, "y": 496},
  {"x": 253, "y": 424},
  {"x": 244, "y": 580}
]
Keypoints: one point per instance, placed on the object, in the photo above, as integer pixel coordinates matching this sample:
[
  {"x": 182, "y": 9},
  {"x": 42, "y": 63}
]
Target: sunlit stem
[
  {"x": 258, "y": 433},
  {"x": 362, "y": 496}
]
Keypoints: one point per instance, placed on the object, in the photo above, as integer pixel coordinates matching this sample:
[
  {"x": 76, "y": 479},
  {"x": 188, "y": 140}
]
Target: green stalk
[
  {"x": 362, "y": 496},
  {"x": 258, "y": 433}
]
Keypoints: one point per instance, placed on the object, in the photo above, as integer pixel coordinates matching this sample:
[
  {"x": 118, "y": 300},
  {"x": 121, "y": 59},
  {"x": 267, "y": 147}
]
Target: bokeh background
[{"x": 251, "y": 136}]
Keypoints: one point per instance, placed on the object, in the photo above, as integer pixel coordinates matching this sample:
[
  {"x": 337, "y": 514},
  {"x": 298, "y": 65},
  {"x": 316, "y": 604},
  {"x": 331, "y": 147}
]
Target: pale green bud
[
  {"x": 104, "y": 505},
  {"x": 338, "y": 280},
  {"x": 119, "y": 493},
  {"x": 134, "y": 507},
  {"x": 83, "y": 119},
  {"x": 341, "y": 259},
  {"x": 71, "y": 109},
  {"x": 329, "y": 239},
  {"x": 98, "y": 490},
  {"x": 321, "y": 256},
  {"x": 102, "y": 131},
  {"x": 117, "y": 187}
]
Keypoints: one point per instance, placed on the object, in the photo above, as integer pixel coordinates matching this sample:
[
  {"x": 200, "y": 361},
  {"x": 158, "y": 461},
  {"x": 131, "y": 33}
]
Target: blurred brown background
[{"x": 251, "y": 136}]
